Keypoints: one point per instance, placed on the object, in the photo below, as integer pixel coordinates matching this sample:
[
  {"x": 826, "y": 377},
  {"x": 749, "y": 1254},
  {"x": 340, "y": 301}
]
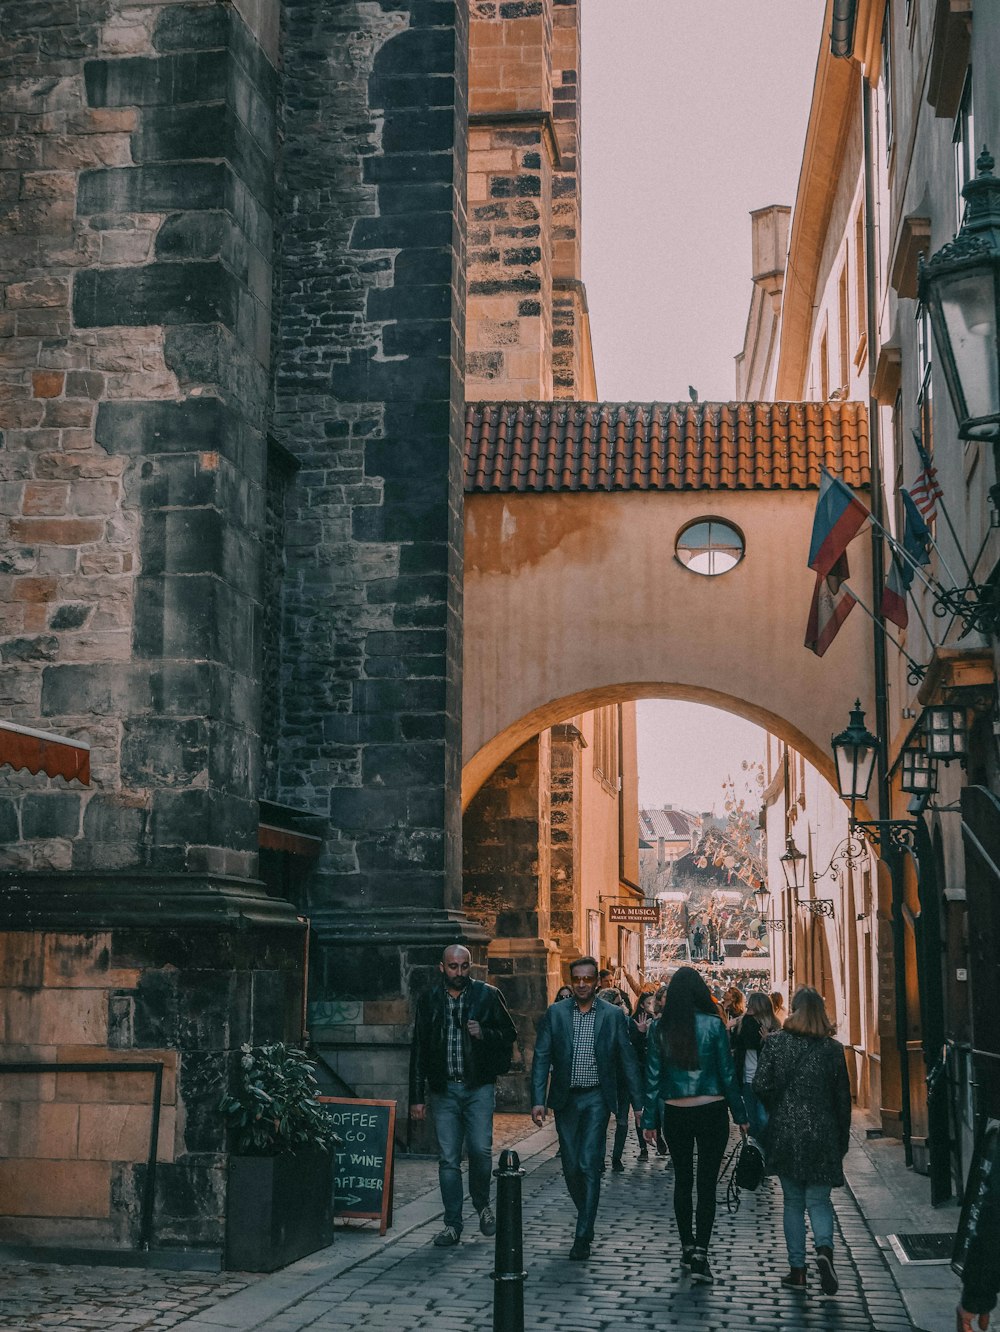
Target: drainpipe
[
  {"x": 892, "y": 856},
  {"x": 845, "y": 13}
]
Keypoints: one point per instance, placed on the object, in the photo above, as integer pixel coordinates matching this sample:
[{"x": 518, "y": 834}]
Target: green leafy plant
[{"x": 271, "y": 1103}]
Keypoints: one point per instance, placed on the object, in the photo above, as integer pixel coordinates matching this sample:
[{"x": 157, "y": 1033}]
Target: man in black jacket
[
  {"x": 462, "y": 1038},
  {"x": 981, "y": 1275}
]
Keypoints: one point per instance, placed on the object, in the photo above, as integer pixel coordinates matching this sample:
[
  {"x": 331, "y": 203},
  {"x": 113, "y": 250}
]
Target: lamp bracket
[
  {"x": 977, "y": 605},
  {"x": 848, "y": 854},
  {"x": 819, "y": 906},
  {"x": 778, "y": 925},
  {"x": 897, "y": 834}
]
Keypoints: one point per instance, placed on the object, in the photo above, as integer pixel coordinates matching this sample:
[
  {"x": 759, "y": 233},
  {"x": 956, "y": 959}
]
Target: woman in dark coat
[{"x": 802, "y": 1080}]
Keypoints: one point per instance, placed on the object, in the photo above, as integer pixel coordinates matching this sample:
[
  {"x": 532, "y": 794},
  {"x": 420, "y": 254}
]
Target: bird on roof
[{"x": 692, "y": 393}]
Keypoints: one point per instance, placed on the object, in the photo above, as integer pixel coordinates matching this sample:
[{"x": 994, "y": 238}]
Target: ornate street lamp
[
  {"x": 793, "y": 865},
  {"x": 761, "y": 897},
  {"x": 854, "y": 752},
  {"x": 946, "y": 732},
  {"x": 960, "y": 286}
]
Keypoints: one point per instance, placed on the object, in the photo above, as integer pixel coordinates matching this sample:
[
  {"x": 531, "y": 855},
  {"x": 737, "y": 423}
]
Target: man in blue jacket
[{"x": 583, "y": 1052}]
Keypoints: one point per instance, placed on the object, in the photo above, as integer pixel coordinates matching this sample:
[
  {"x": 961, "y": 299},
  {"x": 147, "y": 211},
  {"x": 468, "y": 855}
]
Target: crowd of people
[{"x": 683, "y": 1063}]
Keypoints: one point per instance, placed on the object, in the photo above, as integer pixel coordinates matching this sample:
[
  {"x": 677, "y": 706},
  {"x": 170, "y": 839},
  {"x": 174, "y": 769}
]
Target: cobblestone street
[{"x": 402, "y": 1283}]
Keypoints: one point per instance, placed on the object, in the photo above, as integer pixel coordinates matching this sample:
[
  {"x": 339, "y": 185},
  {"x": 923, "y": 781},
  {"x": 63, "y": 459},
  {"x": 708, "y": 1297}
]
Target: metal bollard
[{"x": 509, "y": 1274}]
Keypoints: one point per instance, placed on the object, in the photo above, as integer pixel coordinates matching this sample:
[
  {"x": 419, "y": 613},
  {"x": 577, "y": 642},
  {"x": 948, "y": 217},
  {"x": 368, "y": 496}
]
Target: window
[
  {"x": 824, "y": 365},
  {"x": 887, "y": 78},
  {"x": 606, "y": 746},
  {"x": 964, "y": 142},
  {"x": 860, "y": 278},
  {"x": 925, "y": 380},
  {"x": 710, "y": 547},
  {"x": 844, "y": 331}
]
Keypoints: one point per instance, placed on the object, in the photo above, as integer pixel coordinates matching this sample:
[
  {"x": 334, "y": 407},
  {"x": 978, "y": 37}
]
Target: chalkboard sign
[
  {"x": 984, "y": 1162},
  {"x": 362, "y": 1186}
]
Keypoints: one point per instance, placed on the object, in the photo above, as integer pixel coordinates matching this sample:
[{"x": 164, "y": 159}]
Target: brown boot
[
  {"x": 827, "y": 1276},
  {"x": 796, "y": 1279}
]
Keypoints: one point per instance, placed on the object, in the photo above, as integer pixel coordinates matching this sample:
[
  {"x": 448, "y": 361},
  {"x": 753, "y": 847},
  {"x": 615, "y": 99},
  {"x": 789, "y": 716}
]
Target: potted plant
[{"x": 279, "y": 1198}]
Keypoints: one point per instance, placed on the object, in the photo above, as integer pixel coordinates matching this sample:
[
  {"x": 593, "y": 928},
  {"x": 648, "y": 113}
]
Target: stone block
[
  {"x": 44, "y": 499},
  {"x": 160, "y": 427},
  {"x": 47, "y": 383},
  {"x": 198, "y": 76},
  {"x": 48, "y": 1130},
  {"x": 83, "y": 961},
  {"x": 152, "y": 188},
  {"x": 55, "y": 532},
  {"x": 21, "y": 963},
  {"x": 33, "y": 1187},
  {"x": 181, "y": 293},
  {"x": 50, "y": 1017},
  {"x": 121, "y": 1132},
  {"x": 119, "y": 1087},
  {"x": 38, "y": 292},
  {"x": 50, "y": 814}
]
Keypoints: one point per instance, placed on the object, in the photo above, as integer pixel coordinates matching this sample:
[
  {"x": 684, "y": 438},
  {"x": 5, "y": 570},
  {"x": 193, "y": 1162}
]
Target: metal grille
[{"x": 923, "y": 1248}]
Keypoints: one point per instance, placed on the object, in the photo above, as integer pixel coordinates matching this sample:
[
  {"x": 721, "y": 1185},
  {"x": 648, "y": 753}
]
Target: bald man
[{"x": 462, "y": 1039}]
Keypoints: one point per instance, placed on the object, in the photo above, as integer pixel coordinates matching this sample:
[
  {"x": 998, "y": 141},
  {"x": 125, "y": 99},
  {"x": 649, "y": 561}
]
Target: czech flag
[
  {"x": 831, "y": 605},
  {"x": 840, "y": 516}
]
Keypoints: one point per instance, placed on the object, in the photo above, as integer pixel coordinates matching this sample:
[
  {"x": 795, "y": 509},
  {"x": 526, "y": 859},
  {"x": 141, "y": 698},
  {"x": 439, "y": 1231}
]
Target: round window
[{"x": 709, "y": 547}]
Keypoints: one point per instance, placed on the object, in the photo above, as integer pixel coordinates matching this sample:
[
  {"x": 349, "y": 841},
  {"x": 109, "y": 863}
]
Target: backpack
[{"x": 750, "y": 1165}]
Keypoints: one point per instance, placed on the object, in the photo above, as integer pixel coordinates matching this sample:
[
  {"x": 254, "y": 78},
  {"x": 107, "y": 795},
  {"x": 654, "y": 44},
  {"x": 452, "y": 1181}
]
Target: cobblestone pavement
[
  {"x": 403, "y": 1284},
  {"x": 34, "y": 1296}
]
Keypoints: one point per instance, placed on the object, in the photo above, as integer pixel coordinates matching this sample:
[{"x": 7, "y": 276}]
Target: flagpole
[
  {"x": 916, "y": 668},
  {"x": 930, "y": 637},
  {"x": 928, "y": 582},
  {"x": 925, "y": 459}
]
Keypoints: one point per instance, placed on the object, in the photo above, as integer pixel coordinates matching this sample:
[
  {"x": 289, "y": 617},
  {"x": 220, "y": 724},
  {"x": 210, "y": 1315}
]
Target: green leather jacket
[{"x": 715, "y": 1075}]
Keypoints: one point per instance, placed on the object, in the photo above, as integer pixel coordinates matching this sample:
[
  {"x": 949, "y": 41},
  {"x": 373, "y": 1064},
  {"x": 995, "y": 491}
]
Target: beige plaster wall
[{"x": 574, "y": 600}]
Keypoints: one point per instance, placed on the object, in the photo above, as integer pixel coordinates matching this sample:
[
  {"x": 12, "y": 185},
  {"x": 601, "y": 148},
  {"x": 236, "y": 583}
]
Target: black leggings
[{"x": 708, "y": 1127}]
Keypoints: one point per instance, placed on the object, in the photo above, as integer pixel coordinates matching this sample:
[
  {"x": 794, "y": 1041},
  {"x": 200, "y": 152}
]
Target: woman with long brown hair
[
  {"x": 748, "y": 1035},
  {"x": 690, "y": 1071},
  {"x": 802, "y": 1080}
]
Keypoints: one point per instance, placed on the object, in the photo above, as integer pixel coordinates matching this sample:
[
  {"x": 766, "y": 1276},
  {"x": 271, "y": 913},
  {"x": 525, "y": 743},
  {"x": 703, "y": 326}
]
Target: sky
[{"x": 693, "y": 114}]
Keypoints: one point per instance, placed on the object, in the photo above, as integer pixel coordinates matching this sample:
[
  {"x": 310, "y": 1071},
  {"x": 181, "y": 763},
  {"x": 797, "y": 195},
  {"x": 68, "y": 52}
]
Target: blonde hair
[{"x": 809, "y": 1016}]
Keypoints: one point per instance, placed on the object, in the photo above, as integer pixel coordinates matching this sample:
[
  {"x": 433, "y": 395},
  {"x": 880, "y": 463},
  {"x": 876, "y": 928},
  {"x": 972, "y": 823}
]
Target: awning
[{"x": 43, "y": 751}]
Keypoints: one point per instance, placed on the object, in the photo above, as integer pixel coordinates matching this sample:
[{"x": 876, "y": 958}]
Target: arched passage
[{"x": 501, "y": 746}]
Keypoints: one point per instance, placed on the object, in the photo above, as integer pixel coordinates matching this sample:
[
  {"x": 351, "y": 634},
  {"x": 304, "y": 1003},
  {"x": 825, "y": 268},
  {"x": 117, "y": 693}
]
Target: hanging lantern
[
  {"x": 793, "y": 865},
  {"x": 919, "y": 771},
  {"x": 946, "y": 732}
]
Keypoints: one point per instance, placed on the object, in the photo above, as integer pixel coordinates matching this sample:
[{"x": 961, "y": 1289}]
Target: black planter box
[{"x": 278, "y": 1208}]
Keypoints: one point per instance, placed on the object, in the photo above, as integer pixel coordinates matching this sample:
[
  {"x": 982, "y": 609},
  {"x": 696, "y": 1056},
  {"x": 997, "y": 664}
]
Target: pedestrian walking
[
  {"x": 613, "y": 996},
  {"x": 698, "y": 942},
  {"x": 462, "y": 1039},
  {"x": 733, "y": 1004},
  {"x": 981, "y": 1273},
  {"x": 690, "y": 1071},
  {"x": 778, "y": 1004},
  {"x": 802, "y": 1080},
  {"x": 584, "y": 1054},
  {"x": 642, "y": 1019},
  {"x": 564, "y": 992},
  {"x": 748, "y": 1034}
]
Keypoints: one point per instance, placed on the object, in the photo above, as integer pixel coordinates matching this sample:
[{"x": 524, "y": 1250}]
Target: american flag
[{"x": 925, "y": 493}]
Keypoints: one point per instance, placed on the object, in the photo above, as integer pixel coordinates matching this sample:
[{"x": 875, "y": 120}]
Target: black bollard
[{"x": 509, "y": 1274}]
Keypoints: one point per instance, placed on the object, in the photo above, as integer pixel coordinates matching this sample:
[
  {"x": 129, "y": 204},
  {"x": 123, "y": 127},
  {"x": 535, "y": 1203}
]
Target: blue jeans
[
  {"x": 756, "y": 1111},
  {"x": 799, "y": 1198},
  {"x": 582, "y": 1126},
  {"x": 464, "y": 1114}
]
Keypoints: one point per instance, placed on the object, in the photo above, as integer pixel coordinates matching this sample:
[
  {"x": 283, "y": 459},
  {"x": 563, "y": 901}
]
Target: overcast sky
[{"x": 693, "y": 114}]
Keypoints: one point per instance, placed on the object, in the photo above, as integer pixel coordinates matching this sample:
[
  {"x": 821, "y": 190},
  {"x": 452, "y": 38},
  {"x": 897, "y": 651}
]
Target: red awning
[{"x": 42, "y": 751}]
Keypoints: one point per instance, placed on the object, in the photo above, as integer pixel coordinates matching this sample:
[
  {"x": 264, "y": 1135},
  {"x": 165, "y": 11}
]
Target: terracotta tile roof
[{"x": 539, "y": 446}]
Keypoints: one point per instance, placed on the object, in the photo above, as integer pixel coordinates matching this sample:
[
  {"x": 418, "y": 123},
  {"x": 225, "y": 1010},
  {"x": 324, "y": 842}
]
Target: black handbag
[{"x": 751, "y": 1166}]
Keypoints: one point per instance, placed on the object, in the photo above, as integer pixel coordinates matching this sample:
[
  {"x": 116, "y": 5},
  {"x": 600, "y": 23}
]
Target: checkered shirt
[
  {"x": 584, "y": 1071},
  {"x": 456, "y": 1016}
]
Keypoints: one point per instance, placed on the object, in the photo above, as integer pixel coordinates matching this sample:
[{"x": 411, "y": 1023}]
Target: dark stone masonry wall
[
  {"x": 136, "y": 198},
  {"x": 368, "y": 400}
]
